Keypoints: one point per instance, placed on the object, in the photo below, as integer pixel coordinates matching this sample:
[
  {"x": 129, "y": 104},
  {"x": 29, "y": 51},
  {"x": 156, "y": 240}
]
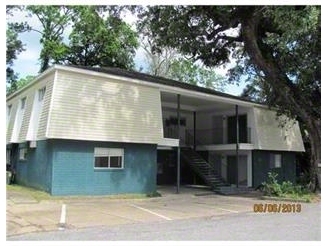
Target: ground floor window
[
  {"x": 275, "y": 160},
  {"x": 8, "y": 156},
  {"x": 109, "y": 158},
  {"x": 22, "y": 154}
]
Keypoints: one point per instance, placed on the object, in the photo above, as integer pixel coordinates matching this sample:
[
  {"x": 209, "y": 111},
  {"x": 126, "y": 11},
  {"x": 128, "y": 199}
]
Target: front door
[{"x": 232, "y": 169}]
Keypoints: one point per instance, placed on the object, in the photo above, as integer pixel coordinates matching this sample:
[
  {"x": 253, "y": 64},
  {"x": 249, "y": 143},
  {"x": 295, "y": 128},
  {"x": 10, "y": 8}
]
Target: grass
[
  {"x": 35, "y": 194},
  {"x": 310, "y": 197},
  {"x": 306, "y": 197},
  {"x": 41, "y": 195}
]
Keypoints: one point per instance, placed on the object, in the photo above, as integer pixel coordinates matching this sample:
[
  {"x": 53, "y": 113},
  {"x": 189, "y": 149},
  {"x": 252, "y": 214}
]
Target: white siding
[
  {"x": 27, "y": 115},
  {"x": 271, "y": 136},
  {"x": 94, "y": 108},
  {"x": 18, "y": 125},
  {"x": 43, "y": 120},
  {"x": 11, "y": 121},
  {"x": 35, "y": 116}
]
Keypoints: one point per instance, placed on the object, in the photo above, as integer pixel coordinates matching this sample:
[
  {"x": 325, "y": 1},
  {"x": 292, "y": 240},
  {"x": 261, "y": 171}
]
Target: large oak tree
[{"x": 278, "y": 45}]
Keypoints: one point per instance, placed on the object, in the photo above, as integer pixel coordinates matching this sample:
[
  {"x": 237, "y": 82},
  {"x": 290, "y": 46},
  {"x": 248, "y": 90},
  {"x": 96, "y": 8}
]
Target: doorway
[{"x": 232, "y": 169}]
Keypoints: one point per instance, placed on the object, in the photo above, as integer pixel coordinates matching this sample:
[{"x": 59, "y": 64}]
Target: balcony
[
  {"x": 216, "y": 136},
  {"x": 212, "y": 139},
  {"x": 210, "y": 136}
]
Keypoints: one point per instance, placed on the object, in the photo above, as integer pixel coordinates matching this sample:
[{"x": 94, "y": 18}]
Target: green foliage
[
  {"x": 154, "y": 194},
  {"x": 271, "y": 187},
  {"x": 279, "y": 46},
  {"x": 54, "y": 19},
  {"x": 168, "y": 63},
  {"x": 19, "y": 84},
  {"x": 100, "y": 41},
  {"x": 14, "y": 46},
  {"x": 98, "y": 37},
  {"x": 286, "y": 189},
  {"x": 185, "y": 70}
]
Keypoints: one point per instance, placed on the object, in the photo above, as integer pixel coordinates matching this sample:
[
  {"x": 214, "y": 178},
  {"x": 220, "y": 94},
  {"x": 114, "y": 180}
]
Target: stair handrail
[{"x": 198, "y": 142}]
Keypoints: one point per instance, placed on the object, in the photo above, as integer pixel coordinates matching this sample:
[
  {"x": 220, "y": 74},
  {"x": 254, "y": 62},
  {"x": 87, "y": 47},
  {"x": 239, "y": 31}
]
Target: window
[
  {"x": 9, "y": 110},
  {"x": 9, "y": 107},
  {"x": 23, "y": 102},
  {"x": 275, "y": 160},
  {"x": 106, "y": 158},
  {"x": 22, "y": 154},
  {"x": 8, "y": 156},
  {"x": 42, "y": 93}
]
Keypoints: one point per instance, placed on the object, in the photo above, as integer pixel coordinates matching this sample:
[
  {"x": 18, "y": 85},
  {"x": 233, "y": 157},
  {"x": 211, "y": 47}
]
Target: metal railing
[
  {"x": 171, "y": 132},
  {"x": 217, "y": 136}
]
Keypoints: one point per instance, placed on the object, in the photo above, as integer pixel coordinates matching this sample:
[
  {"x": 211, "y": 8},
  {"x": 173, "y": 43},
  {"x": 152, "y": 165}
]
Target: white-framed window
[
  {"x": 275, "y": 160},
  {"x": 23, "y": 102},
  {"x": 9, "y": 107},
  {"x": 42, "y": 92},
  {"x": 23, "y": 154},
  {"x": 8, "y": 156},
  {"x": 109, "y": 158}
]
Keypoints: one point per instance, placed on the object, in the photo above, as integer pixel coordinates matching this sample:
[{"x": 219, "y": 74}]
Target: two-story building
[{"x": 96, "y": 131}]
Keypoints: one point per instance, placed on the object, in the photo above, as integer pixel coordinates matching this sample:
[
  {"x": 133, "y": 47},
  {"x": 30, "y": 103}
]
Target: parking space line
[
  {"x": 215, "y": 207},
  {"x": 151, "y": 212},
  {"x": 228, "y": 210}
]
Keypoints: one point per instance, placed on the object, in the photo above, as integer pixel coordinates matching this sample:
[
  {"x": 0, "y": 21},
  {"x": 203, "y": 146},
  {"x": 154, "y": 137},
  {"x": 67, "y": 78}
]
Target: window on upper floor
[
  {"x": 42, "y": 92},
  {"x": 9, "y": 107},
  {"x": 23, "y": 102},
  {"x": 109, "y": 158}
]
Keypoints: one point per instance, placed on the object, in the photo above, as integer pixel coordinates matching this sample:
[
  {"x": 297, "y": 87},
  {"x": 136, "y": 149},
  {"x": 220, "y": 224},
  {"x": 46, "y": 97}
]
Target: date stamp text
[{"x": 277, "y": 208}]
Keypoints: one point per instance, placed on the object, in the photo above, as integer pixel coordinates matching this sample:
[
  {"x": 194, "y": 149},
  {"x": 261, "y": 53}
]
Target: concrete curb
[{"x": 272, "y": 198}]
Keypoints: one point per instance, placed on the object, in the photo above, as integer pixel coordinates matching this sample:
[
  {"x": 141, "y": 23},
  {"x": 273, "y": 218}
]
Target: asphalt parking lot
[{"x": 25, "y": 215}]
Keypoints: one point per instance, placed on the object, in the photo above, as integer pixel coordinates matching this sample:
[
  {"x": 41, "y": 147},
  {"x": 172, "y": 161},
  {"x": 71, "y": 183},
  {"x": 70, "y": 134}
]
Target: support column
[
  {"x": 237, "y": 145},
  {"x": 179, "y": 150},
  {"x": 194, "y": 140}
]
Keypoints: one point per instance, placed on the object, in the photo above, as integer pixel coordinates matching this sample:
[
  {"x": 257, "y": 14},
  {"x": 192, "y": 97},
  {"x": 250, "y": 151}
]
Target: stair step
[{"x": 203, "y": 168}]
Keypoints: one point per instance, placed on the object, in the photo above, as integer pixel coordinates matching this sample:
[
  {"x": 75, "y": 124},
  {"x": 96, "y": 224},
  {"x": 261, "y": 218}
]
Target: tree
[
  {"x": 168, "y": 63},
  {"x": 185, "y": 70},
  {"x": 54, "y": 20},
  {"x": 99, "y": 36},
  {"x": 14, "y": 47},
  {"x": 99, "y": 40},
  {"x": 257, "y": 91},
  {"x": 281, "y": 45},
  {"x": 158, "y": 63}
]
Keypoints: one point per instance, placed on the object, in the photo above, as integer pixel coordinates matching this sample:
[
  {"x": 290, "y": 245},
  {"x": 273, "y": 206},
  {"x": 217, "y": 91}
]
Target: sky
[{"x": 27, "y": 62}]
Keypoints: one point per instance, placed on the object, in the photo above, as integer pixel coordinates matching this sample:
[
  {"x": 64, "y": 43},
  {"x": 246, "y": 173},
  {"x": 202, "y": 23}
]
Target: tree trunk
[
  {"x": 284, "y": 88},
  {"x": 315, "y": 143}
]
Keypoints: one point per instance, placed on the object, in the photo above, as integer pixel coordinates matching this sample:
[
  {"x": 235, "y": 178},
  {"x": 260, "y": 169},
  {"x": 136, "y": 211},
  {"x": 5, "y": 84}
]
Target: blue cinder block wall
[
  {"x": 36, "y": 170},
  {"x": 74, "y": 173}
]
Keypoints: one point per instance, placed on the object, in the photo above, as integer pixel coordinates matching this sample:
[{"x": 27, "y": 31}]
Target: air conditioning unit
[{"x": 32, "y": 144}]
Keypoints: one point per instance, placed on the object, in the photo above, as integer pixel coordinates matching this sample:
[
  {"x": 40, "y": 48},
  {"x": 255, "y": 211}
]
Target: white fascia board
[
  {"x": 34, "y": 81},
  {"x": 182, "y": 106},
  {"x": 161, "y": 87}
]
